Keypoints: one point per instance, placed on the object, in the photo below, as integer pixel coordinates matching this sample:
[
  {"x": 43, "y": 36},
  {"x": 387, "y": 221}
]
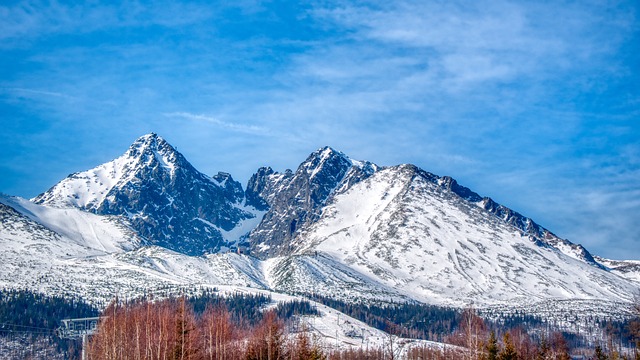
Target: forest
[{"x": 211, "y": 325}]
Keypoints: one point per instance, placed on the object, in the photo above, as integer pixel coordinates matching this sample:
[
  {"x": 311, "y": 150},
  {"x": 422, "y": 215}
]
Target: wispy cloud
[
  {"x": 469, "y": 45},
  {"x": 251, "y": 129},
  {"x": 38, "y": 93}
]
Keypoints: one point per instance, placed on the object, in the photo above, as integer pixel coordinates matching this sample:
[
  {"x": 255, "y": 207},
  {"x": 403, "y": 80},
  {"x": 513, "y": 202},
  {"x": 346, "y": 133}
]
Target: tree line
[{"x": 171, "y": 329}]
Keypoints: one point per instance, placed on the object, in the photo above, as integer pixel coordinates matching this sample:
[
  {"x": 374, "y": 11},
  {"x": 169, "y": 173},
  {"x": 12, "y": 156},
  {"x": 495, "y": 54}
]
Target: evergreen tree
[
  {"x": 492, "y": 347},
  {"x": 508, "y": 351},
  {"x": 543, "y": 349},
  {"x": 599, "y": 353},
  {"x": 185, "y": 324}
]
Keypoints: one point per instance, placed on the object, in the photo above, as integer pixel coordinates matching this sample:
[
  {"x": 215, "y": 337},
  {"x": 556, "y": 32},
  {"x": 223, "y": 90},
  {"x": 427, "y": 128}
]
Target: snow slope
[
  {"x": 402, "y": 230},
  {"x": 69, "y": 251},
  {"x": 294, "y": 200},
  {"x": 629, "y": 269}
]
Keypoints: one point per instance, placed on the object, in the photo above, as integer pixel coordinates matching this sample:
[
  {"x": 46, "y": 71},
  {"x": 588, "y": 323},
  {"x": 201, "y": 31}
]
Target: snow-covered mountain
[
  {"x": 66, "y": 251},
  {"x": 294, "y": 201},
  {"x": 167, "y": 201},
  {"x": 403, "y": 228},
  {"x": 148, "y": 221}
]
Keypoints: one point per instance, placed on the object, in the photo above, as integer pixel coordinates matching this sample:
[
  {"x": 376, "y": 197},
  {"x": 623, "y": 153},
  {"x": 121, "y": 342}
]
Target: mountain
[
  {"x": 167, "y": 201},
  {"x": 348, "y": 229},
  {"x": 408, "y": 230},
  {"x": 294, "y": 200}
]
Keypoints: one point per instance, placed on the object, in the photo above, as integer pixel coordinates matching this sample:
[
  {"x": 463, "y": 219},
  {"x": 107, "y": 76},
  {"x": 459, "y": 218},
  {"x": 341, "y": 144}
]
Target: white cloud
[
  {"x": 252, "y": 129},
  {"x": 22, "y": 92}
]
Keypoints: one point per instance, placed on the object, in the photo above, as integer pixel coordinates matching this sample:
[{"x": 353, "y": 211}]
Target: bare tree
[
  {"x": 473, "y": 330},
  {"x": 559, "y": 347},
  {"x": 267, "y": 340},
  {"x": 525, "y": 347},
  {"x": 218, "y": 332}
]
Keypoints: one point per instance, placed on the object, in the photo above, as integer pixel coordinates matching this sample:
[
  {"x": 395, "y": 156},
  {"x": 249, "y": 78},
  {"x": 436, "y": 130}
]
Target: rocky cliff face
[
  {"x": 295, "y": 200},
  {"x": 167, "y": 200}
]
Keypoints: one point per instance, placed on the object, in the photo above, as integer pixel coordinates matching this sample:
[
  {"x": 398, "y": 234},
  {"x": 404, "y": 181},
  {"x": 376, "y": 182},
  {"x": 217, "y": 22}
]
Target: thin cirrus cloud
[
  {"x": 252, "y": 129},
  {"x": 485, "y": 41},
  {"x": 22, "y": 92}
]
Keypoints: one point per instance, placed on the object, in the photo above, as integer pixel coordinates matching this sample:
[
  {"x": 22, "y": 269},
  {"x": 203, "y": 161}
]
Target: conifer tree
[
  {"x": 599, "y": 353},
  {"x": 543, "y": 349},
  {"x": 508, "y": 351},
  {"x": 184, "y": 348},
  {"x": 492, "y": 347}
]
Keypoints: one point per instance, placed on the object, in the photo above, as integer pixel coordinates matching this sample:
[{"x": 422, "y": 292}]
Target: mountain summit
[
  {"x": 167, "y": 200},
  {"x": 295, "y": 199}
]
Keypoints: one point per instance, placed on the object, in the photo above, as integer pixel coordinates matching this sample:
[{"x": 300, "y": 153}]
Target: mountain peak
[
  {"x": 324, "y": 161},
  {"x": 151, "y": 140},
  {"x": 327, "y": 152},
  {"x": 153, "y": 147},
  {"x": 165, "y": 198}
]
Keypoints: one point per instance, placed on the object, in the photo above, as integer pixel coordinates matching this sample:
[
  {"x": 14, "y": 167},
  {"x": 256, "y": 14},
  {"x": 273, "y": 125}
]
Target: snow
[
  {"x": 245, "y": 226},
  {"x": 44, "y": 261},
  {"x": 100, "y": 233},
  {"x": 88, "y": 189},
  {"x": 628, "y": 269},
  {"x": 334, "y": 330},
  {"x": 429, "y": 245}
]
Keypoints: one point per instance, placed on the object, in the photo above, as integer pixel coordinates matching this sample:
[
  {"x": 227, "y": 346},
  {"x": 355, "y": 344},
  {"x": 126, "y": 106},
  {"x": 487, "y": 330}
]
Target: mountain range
[{"x": 352, "y": 230}]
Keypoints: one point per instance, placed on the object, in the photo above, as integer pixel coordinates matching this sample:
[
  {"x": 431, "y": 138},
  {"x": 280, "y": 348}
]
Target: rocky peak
[
  {"x": 152, "y": 150},
  {"x": 257, "y": 188},
  {"x": 452, "y": 185},
  {"x": 232, "y": 187},
  {"x": 166, "y": 199},
  {"x": 295, "y": 200}
]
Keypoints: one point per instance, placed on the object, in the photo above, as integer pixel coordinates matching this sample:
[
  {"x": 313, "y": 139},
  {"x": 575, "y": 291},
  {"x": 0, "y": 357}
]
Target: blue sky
[{"x": 535, "y": 104}]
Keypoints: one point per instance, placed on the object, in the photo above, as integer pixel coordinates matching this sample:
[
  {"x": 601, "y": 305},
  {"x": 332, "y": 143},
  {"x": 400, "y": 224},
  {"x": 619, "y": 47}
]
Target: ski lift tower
[{"x": 78, "y": 328}]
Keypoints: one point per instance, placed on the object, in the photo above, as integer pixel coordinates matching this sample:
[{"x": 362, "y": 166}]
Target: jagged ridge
[
  {"x": 167, "y": 200},
  {"x": 295, "y": 200}
]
